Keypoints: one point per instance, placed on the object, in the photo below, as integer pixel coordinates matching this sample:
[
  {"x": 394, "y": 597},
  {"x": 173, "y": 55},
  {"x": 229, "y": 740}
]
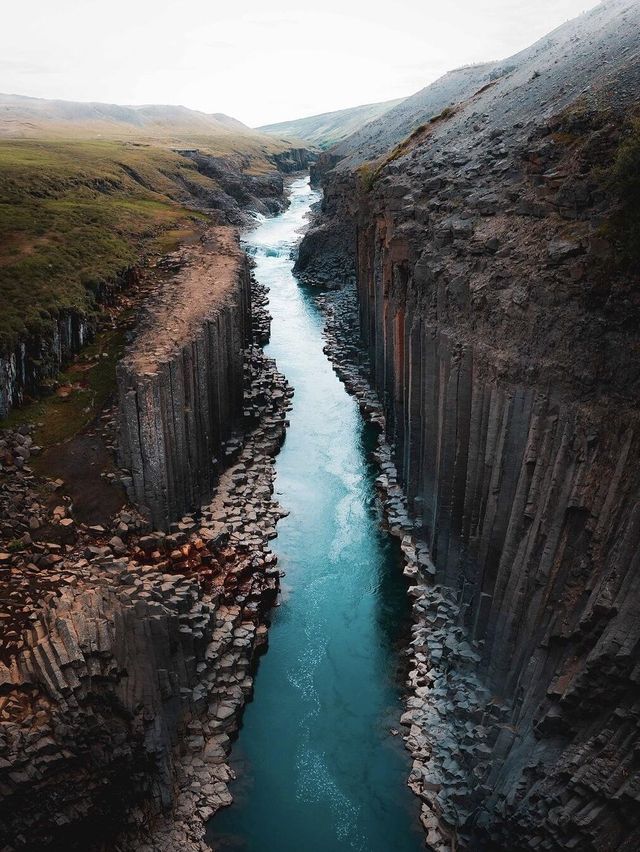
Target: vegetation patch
[
  {"x": 75, "y": 214},
  {"x": 367, "y": 173},
  {"x": 624, "y": 180},
  {"x": 81, "y": 392}
]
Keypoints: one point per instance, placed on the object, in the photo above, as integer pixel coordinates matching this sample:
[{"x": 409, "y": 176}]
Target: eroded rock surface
[
  {"x": 181, "y": 382},
  {"x": 127, "y": 651},
  {"x": 501, "y": 333}
]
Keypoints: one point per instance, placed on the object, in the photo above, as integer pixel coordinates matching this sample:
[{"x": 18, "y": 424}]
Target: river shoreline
[{"x": 453, "y": 721}]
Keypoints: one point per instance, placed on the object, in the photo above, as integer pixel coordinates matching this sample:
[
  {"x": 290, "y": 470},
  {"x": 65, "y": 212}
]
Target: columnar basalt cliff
[
  {"x": 181, "y": 382},
  {"x": 127, "y": 654},
  {"x": 498, "y": 300},
  {"x": 93, "y": 707}
]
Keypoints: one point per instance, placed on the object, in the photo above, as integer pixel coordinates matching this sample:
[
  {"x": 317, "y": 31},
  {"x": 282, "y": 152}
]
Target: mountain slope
[
  {"x": 329, "y": 128},
  {"x": 570, "y": 46},
  {"x": 25, "y": 117},
  {"x": 380, "y": 134},
  {"x": 496, "y": 254}
]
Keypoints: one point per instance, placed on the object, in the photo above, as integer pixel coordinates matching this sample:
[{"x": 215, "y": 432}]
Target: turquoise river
[{"x": 318, "y": 767}]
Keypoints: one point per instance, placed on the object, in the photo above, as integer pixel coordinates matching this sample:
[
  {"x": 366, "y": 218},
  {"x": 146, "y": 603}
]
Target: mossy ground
[
  {"x": 73, "y": 215},
  {"x": 82, "y": 390}
]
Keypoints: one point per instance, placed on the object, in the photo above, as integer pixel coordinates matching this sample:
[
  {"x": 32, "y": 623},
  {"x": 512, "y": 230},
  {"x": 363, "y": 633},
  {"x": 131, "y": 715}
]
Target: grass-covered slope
[
  {"x": 77, "y": 207},
  {"x": 330, "y": 128},
  {"x": 72, "y": 215}
]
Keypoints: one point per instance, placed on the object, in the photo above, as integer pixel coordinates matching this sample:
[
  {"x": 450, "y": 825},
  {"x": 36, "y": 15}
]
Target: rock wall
[
  {"x": 501, "y": 331},
  {"x": 131, "y": 673},
  {"x": 293, "y": 160},
  {"x": 530, "y": 506},
  {"x": 95, "y": 701},
  {"x": 126, "y": 659},
  {"x": 522, "y": 725},
  {"x": 127, "y": 655},
  {"x": 327, "y": 252},
  {"x": 181, "y": 382},
  {"x": 36, "y": 360}
]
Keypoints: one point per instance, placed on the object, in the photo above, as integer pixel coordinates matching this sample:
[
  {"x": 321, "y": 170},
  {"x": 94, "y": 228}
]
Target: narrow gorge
[
  {"x": 316, "y": 747},
  {"x": 320, "y": 466}
]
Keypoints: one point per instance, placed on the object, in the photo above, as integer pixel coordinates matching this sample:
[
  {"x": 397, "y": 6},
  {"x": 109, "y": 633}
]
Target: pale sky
[{"x": 257, "y": 60}]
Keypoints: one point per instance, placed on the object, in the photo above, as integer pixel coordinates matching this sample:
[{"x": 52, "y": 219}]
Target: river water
[{"x": 318, "y": 769}]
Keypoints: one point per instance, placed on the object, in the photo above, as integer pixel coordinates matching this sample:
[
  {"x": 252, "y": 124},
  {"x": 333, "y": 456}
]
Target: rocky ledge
[
  {"x": 127, "y": 652},
  {"x": 181, "y": 381}
]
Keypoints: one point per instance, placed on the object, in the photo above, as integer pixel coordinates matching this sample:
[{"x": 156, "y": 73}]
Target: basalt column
[
  {"x": 529, "y": 499},
  {"x": 181, "y": 382}
]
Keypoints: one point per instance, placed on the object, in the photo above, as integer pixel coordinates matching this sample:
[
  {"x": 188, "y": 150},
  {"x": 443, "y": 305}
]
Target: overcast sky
[{"x": 258, "y": 60}]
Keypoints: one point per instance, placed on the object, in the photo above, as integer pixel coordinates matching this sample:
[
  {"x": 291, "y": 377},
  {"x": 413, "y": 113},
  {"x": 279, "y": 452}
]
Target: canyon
[{"x": 382, "y": 418}]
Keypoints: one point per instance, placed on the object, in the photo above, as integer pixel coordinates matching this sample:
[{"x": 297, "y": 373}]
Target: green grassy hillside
[
  {"x": 74, "y": 213},
  {"x": 331, "y": 127},
  {"x": 87, "y": 189}
]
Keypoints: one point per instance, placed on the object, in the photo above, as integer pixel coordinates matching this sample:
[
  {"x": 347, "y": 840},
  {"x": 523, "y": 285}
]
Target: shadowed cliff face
[{"x": 501, "y": 322}]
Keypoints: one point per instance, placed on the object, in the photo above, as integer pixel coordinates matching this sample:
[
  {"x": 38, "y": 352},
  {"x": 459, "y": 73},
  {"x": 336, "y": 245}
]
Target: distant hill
[
  {"x": 24, "y": 117},
  {"x": 177, "y": 127},
  {"x": 329, "y": 128}
]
